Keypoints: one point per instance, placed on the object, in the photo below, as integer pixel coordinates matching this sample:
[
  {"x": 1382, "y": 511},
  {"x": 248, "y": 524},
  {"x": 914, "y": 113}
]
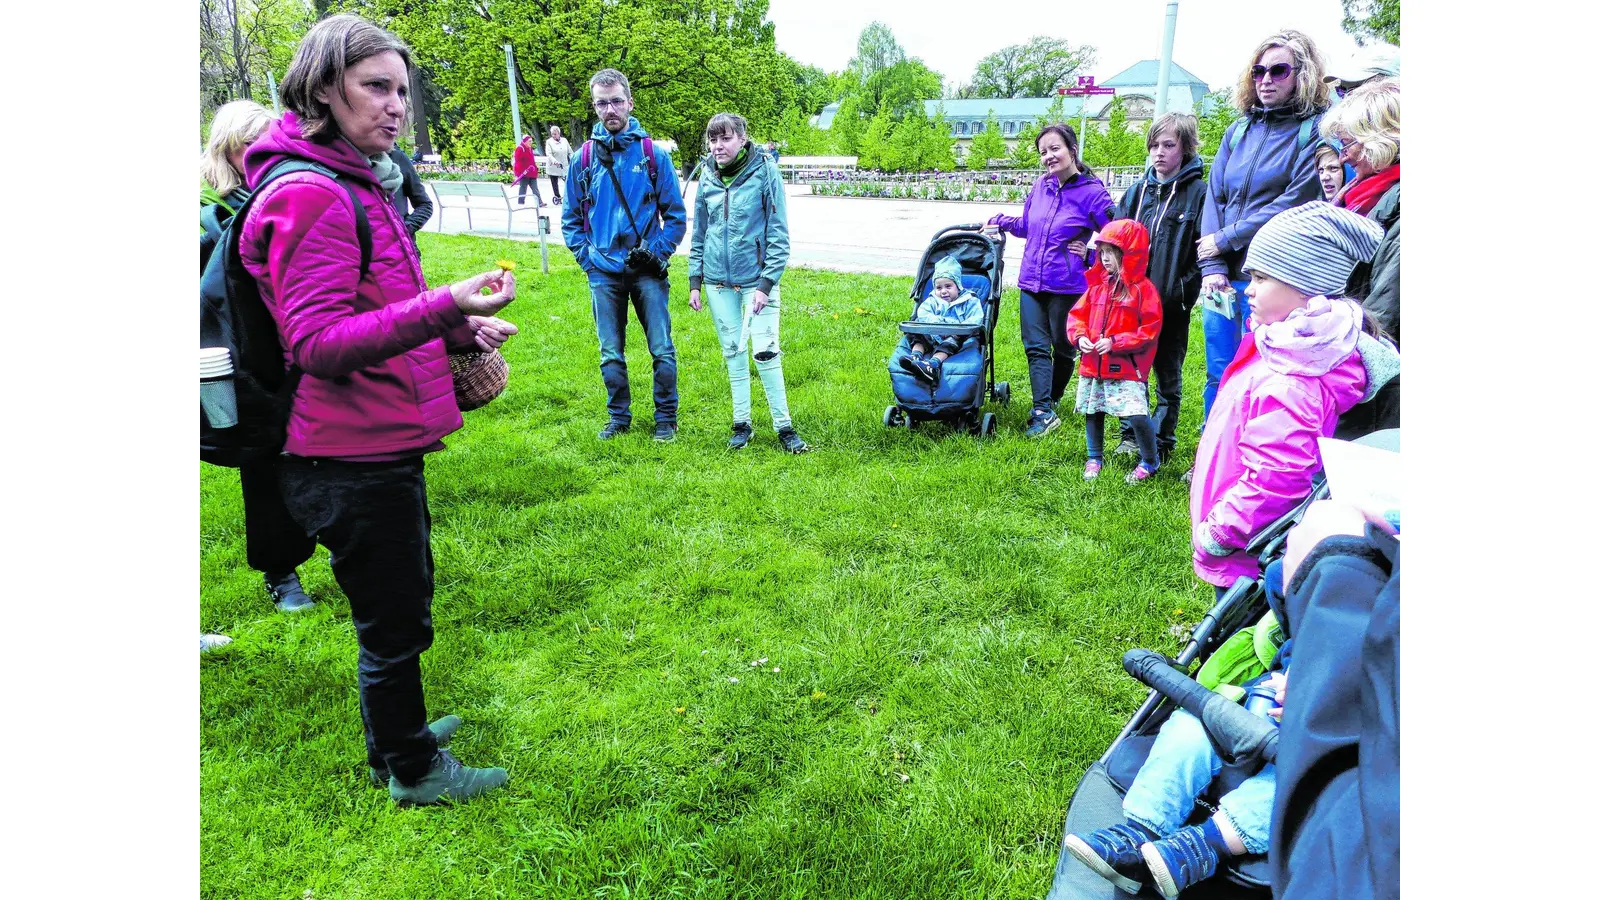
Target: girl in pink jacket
[{"x": 1287, "y": 386}]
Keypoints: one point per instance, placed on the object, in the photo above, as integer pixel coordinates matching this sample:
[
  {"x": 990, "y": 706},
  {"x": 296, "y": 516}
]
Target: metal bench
[{"x": 480, "y": 195}]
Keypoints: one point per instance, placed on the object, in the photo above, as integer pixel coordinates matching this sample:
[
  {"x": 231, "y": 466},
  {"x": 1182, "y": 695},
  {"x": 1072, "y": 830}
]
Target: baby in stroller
[{"x": 949, "y": 305}]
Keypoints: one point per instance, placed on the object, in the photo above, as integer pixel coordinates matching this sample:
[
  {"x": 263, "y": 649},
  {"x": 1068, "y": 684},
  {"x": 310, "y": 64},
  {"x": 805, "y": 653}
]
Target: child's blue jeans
[{"x": 1181, "y": 765}]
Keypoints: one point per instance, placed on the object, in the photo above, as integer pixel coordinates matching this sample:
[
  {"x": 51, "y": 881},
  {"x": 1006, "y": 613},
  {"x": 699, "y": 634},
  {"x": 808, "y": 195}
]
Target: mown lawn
[{"x": 939, "y": 623}]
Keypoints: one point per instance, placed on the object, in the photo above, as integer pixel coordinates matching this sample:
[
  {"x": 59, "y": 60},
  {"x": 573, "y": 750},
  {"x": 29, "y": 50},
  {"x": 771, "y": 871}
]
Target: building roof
[
  {"x": 1148, "y": 72},
  {"x": 1184, "y": 91}
]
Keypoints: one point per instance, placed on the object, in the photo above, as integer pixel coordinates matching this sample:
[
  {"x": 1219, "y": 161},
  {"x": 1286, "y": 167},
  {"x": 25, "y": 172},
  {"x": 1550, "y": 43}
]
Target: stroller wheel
[
  {"x": 986, "y": 427},
  {"x": 1002, "y": 393},
  {"x": 893, "y": 417}
]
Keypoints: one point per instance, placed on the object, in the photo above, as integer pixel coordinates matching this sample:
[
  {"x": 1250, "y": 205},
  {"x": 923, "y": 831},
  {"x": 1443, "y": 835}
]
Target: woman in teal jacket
[{"x": 736, "y": 257}]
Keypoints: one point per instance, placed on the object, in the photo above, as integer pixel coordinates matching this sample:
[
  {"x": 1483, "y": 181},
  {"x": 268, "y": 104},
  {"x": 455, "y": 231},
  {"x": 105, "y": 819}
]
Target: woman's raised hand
[
  {"x": 470, "y": 299},
  {"x": 490, "y": 332}
]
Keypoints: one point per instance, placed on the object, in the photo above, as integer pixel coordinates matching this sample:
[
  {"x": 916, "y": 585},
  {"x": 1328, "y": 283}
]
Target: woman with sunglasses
[{"x": 1267, "y": 163}]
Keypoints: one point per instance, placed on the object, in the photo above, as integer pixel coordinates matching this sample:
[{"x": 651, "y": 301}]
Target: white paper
[{"x": 1361, "y": 475}]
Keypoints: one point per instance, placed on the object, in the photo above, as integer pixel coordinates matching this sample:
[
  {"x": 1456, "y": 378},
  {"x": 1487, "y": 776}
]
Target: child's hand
[
  {"x": 1279, "y": 680},
  {"x": 1085, "y": 345},
  {"x": 1103, "y": 345},
  {"x": 694, "y": 299}
]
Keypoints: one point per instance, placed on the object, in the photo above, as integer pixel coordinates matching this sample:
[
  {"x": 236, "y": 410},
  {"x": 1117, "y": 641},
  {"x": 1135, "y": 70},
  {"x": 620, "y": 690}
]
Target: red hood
[
  {"x": 1134, "y": 241},
  {"x": 282, "y": 141}
]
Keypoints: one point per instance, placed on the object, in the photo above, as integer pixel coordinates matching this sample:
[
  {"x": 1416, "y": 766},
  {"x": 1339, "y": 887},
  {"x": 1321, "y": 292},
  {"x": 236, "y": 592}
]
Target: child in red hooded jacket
[{"x": 1115, "y": 324}]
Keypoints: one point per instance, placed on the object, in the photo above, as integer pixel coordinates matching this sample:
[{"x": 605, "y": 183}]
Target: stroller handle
[{"x": 1237, "y": 733}]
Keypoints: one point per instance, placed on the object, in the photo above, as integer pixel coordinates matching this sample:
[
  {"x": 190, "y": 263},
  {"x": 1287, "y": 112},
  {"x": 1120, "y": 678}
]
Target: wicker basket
[{"x": 479, "y": 377}]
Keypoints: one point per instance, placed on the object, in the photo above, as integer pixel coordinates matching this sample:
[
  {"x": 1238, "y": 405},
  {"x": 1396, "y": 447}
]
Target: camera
[{"x": 642, "y": 262}]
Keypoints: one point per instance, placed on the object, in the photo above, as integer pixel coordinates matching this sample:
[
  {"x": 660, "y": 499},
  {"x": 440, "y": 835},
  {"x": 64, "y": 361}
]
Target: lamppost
[
  {"x": 511, "y": 82},
  {"x": 1165, "y": 77}
]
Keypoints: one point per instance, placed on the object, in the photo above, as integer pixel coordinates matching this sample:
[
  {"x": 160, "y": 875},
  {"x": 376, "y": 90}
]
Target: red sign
[{"x": 1085, "y": 87}]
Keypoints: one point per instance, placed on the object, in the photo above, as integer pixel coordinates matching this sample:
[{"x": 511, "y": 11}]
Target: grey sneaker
[
  {"x": 210, "y": 642},
  {"x": 613, "y": 429},
  {"x": 447, "y": 781},
  {"x": 1126, "y": 448},
  {"x": 666, "y": 432},
  {"x": 1188, "y": 477},
  {"x": 443, "y": 730},
  {"x": 286, "y": 592}
]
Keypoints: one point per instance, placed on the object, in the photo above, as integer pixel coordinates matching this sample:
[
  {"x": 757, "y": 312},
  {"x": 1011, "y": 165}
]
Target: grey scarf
[{"x": 387, "y": 171}]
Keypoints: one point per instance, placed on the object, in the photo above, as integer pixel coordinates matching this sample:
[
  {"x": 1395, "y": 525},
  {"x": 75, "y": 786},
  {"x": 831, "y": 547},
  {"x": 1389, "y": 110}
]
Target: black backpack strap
[{"x": 363, "y": 225}]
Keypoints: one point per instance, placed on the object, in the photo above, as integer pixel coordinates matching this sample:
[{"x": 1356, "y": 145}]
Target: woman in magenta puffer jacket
[
  {"x": 1062, "y": 211},
  {"x": 376, "y": 394}
]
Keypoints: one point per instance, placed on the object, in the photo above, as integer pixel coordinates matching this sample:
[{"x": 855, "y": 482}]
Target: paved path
[{"x": 847, "y": 234}]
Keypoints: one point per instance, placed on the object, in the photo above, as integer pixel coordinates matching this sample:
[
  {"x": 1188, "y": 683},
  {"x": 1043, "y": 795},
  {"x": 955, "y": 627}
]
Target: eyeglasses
[
  {"x": 1276, "y": 73},
  {"x": 610, "y": 104}
]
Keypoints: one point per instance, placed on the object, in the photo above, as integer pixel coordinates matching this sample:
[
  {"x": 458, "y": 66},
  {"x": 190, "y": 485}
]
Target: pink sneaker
[
  {"x": 1091, "y": 470},
  {"x": 1138, "y": 474}
]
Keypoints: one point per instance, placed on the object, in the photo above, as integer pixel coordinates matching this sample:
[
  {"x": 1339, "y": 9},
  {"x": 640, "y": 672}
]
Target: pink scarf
[{"x": 1313, "y": 339}]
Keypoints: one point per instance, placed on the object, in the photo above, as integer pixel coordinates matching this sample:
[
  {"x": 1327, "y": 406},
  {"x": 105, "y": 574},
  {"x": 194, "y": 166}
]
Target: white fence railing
[{"x": 990, "y": 186}]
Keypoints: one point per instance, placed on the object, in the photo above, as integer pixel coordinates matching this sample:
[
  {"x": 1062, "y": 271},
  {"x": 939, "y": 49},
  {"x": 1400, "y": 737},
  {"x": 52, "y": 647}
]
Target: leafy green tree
[
  {"x": 936, "y": 151},
  {"x": 987, "y": 144},
  {"x": 875, "y": 150},
  {"x": 1033, "y": 69},
  {"x": 1115, "y": 143},
  {"x": 901, "y": 88},
  {"x": 240, "y": 41},
  {"x": 1026, "y": 154},
  {"x": 876, "y": 50},
  {"x": 799, "y": 137},
  {"x": 848, "y": 126},
  {"x": 1216, "y": 113},
  {"x": 1367, "y": 20}
]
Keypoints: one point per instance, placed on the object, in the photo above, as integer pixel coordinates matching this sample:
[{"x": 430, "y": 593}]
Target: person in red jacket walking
[
  {"x": 1115, "y": 325},
  {"x": 525, "y": 168}
]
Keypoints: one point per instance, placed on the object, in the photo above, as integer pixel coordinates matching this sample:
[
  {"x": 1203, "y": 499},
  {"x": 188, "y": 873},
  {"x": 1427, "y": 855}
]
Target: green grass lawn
[{"x": 939, "y": 622}]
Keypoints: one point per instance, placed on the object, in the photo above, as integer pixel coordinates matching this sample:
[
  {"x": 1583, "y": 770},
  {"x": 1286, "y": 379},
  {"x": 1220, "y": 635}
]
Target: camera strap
[{"x": 616, "y": 183}]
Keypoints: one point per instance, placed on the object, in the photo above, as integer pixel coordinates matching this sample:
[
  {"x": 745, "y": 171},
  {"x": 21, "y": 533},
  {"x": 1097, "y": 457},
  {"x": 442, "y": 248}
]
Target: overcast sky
[{"x": 1213, "y": 37}]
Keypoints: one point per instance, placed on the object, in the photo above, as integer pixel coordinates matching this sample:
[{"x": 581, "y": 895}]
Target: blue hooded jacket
[
  {"x": 658, "y": 211},
  {"x": 1266, "y": 174}
]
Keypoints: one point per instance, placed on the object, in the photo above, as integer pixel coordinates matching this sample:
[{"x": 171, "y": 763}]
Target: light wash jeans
[
  {"x": 1181, "y": 765},
  {"x": 1222, "y": 339},
  {"x": 728, "y": 309}
]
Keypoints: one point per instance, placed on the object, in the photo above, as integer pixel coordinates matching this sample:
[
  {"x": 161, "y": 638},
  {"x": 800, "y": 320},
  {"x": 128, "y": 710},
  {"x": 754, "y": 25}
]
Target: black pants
[
  {"x": 528, "y": 182},
  {"x": 1171, "y": 349},
  {"x": 1044, "y": 340},
  {"x": 274, "y": 543},
  {"x": 373, "y": 518},
  {"x": 555, "y": 187}
]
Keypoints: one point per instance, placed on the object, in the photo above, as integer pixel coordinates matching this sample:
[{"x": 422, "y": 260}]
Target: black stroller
[
  {"x": 1097, "y": 803},
  {"x": 968, "y": 376}
]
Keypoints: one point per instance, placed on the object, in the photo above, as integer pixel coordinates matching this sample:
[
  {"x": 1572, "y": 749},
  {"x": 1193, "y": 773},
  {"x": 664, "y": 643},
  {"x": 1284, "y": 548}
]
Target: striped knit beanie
[{"x": 1313, "y": 248}]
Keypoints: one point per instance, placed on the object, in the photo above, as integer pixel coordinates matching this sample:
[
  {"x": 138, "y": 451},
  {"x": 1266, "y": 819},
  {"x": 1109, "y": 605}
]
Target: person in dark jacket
[
  {"x": 1336, "y": 814},
  {"x": 1168, "y": 204},
  {"x": 1061, "y": 213},
  {"x": 1267, "y": 163},
  {"x": 1367, "y": 127},
  {"x": 411, "y": 201}
]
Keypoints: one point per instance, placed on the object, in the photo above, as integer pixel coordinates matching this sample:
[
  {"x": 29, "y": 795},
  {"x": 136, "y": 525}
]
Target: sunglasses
[{"x": 1276, "y": 73}]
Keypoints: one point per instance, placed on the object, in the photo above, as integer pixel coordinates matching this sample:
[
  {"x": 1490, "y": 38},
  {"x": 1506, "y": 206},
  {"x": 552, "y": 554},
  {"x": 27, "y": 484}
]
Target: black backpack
[{"x": 233, "y": 315}]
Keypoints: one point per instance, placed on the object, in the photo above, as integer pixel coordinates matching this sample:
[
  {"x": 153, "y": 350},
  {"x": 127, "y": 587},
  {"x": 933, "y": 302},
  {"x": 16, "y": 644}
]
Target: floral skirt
[{"x": 1118, "y": 397}]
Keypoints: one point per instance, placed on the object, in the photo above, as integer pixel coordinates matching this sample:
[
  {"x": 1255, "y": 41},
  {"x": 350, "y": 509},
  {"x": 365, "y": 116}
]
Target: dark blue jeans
[
  {"x": 611, "y": 295},
  {"x": 373, "y": 518},
  {"x": 1043, "y": 317}
]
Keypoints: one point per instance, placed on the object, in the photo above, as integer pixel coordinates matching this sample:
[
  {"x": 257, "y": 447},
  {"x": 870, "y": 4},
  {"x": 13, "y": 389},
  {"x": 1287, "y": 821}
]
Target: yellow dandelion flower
[
  {"x": 860, "y": 311},
  {"x": 679, "y": 709},
  {"x": 817, "y": 695},
  {"x": 836, "y": 315},
  {"x": 510, "y": 265}
]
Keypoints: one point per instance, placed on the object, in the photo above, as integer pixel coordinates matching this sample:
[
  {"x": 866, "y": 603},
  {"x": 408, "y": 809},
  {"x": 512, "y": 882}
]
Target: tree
[
  {"x": 876, "y": 50},
  {"x": 1216, "y": 113},
  {"x": 848, "y": 125},
  {"x": 936, "y": 151},
  {"x": 1033, "y": 69},
  {"x": 1367, "y": 20},
  {"x": 987, "y": 144},
  {"x": 686, "y": 60},
  {"x": 1115, "y": 144},
  {"x": 240, "y": 41},
  {"x": 1026, "y": 154},
  {"x": 875, "y": 151},
  {"x": 901, "y": 88}
]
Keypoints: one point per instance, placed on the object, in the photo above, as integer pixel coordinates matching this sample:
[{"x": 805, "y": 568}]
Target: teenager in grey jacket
[{"x": 736, "y": 258}]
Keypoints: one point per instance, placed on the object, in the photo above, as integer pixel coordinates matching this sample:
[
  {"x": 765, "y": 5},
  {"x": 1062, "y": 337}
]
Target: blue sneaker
[
  {"x": 1179, "y": 860},
  {"x": 1113, "y": 853}
]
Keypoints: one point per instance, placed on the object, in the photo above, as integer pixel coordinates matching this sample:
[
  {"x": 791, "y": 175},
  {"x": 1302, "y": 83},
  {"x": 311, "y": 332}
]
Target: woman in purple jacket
[
  {"x": 1267, "y": 163},
  {"x": 1066, "y": 206},
  {"x": 376, "y": 392}
]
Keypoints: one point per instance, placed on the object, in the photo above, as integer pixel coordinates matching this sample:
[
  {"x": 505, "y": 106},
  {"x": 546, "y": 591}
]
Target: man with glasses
[{"x": 622, "y": 220}]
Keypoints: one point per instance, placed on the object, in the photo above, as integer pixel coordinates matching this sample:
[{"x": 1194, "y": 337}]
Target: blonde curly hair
[
  {"x": 235, "y": 127},
  {"x": 1311, "y": 93}
]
